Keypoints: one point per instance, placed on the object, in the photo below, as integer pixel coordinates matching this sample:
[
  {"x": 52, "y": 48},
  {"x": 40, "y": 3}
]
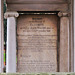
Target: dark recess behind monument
[{"x": 40, "y": 12}]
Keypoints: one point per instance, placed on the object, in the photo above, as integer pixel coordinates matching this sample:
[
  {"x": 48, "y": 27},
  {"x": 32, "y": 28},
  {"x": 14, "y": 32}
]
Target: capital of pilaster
[
  {"x": 11, "y": 14},
  {"x": 63, "y": 14}
]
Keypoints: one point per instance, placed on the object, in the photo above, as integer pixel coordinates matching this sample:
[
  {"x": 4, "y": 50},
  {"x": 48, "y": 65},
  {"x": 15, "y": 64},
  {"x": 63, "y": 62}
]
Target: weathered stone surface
[
  {"x": 1, "y": 36},
  {"x": 39, "y": 74},
  {"x": 11, "y": 41},
  {"x": 37, "y": 43},
  {"x": 11, "y": 45},
  {"x": 64, "y": 45}
]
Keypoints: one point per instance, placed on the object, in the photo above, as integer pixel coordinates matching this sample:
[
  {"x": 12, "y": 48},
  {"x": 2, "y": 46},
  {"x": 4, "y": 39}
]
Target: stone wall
[{"x": 1, "y": 36}]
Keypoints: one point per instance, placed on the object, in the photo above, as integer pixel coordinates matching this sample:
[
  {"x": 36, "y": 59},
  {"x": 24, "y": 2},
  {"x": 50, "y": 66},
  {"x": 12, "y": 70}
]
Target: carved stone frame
[{"x": 66, "y": 16}]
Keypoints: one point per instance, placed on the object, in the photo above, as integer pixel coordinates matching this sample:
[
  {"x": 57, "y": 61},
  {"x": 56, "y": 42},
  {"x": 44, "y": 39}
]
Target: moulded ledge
[{"x": 38, "y": 73}]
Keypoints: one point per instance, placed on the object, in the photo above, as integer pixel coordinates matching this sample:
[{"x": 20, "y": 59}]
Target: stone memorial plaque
[{"x": 37, "y": 43}]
